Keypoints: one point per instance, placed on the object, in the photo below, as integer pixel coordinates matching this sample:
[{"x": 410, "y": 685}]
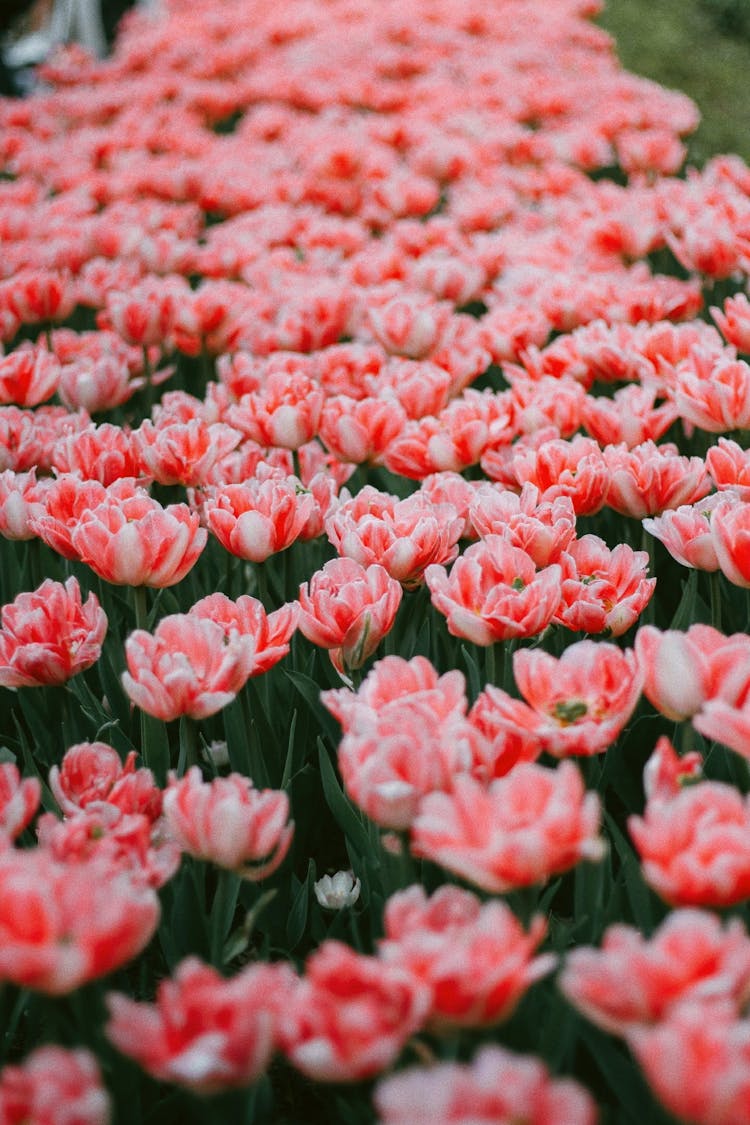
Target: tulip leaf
[
  {"x": 310, "y": 692},
  {"x": 348, "y": 820},
  {"x": 639, "y": 896},
  {"x": 685, "y": 612},
  {"x": 297, "y": 920},
  {"x": 623, "y": 1078}
]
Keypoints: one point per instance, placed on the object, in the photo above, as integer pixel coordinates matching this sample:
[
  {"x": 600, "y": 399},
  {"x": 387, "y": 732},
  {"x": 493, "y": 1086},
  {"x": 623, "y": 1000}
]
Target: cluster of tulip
[{"x": 375, "y": 626}]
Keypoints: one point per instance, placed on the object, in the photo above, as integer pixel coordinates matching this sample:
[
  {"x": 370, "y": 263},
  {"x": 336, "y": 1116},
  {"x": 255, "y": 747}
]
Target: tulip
[
  {"x": 137, "y": 542},
  {"x": 203, "y": 1033},
  {"x": 188, "y": 666},
  {"x": 52, "y": 1085},
  {"x": 62, "y": 924},
  {"x": 228, "y": 822},
  {"x": 348, "y": 609},
  {"x": 496, "y": 1086},
  {"x": 49, "y": 635}
]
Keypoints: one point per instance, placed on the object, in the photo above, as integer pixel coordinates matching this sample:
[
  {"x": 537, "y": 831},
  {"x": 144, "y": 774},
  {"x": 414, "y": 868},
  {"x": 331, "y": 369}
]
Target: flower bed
[{"x": 374, "y": 651}]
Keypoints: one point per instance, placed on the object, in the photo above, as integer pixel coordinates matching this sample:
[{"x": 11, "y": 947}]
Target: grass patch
[{"x": 678, "y": 43}]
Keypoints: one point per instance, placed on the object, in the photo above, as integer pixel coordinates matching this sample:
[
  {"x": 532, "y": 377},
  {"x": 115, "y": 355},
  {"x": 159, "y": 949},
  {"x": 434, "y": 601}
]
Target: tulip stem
[
  {"x": 490, "y": 668},
  {"x": 154, "y": 750},
  {"x": 22, "y": 1002},
  {"x": 223, "y": 910},
  {"x": 261, "y": 578},
  {"x": 356, "y": 935},
  {"x": 148, "y": 374},
  {"x": 188, "y": 745},
  {"x": 508, "y": 650},
  {"x": 296, "y": 464},
  {"x": 715, "y": 585},
  {"x": 648, "y": 615},
  {"x": 140, "y": 607},
  {"x": 207, "y": 363}
]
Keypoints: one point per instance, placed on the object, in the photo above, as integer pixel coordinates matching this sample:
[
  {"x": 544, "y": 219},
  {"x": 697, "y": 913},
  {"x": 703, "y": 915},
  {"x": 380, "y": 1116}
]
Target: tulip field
[{"x": 375, "y": 578}]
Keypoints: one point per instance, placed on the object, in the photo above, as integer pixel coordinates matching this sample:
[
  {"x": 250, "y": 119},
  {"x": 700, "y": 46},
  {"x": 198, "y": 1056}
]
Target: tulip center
[{"x": 569, "y": 711}]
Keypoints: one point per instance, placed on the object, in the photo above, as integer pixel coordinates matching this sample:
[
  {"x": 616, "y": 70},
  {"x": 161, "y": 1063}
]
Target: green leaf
[
  {"x": 472, "y": 673},
  {"x": 155, "y": 747},
  {"x": 100, "y": 718},
  {"x": 349, "y": 821},
  {"x": 297, "y": 920},
  {"x": 639, "y": 895},
  {"x": 310, "y": 692},
  {"x": 223, "y": 909},
  {"x": 623, "y": 1078},
  {"x": 238, "y": 941},
  {"x": 685, "y": 612},
  {"x": 31, "y": 769},
  {"x": 109, "y": 676},
  {"x": 289, "y": 760}
]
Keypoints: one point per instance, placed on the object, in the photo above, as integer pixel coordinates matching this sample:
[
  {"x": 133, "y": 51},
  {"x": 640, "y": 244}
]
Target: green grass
[{"x": 677, "y": 43}]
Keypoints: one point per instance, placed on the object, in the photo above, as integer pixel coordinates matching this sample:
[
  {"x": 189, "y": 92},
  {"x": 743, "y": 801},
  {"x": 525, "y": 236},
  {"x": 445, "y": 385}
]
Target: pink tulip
[
  {"x": 729, "y": 466},
  {"x": 41, "y": 294},
  {"x": 204, "y": 1033},
  {"x": 53, "y": 1085},
  {"x": 28, "y": 376},
  {"x": 573, "y": 468},
  {"x": 349, "y": 1016},
  {"x": 633, "y": 981},
  {"x": 603, "y": 590},
  {"x": 629, "y": 417},
  {"x": 49, "y": 635},
  {"x": 494, "y": 592},
  {"x": 260, "y": 517},
  {"x": 686, "y": 532},
  {"x": 105, "y": 453},
  {"x": 92, "y": 772},
  {"x": 270, "y": 632},
  {"x": 697, "y": 1062},
  {"x": 496, "y": 1086},
  {"x": 730, "y": 532},
  {"x": 137, "y": 542},
  {"x": 62, "y": 924},
  {"x": 360, "y": 430},
  {"x": 187, "y": 666},
  {"x": 409, "y": 325},
  {"x": 348, "y": 609},
  {"x": 649, "y": 478},
  {"x": 143, "y": 316},
  {"x": 695, "y": 847},
  {"x": 228, "y": 822},
  {"x": 97, "y": 384},
  {"x": 19, "y": 800},
  {"x": 521, "y": 830},
  {"x": 19, "y": 492},
  {"x": 183, "y": 452},
  {"x": 391, "y": 760},
  {"x": 734, "y": 321},
  {"x": 402, "y": 536},
  {"x": 577, "y": 704},
  {"x": 684, "y": 671},
  {"x": 476, "y": 958},
  {"x": 544, "y": 529},
  {"x": 718, "y": 403},
  {"x": 284, "y": 413}
]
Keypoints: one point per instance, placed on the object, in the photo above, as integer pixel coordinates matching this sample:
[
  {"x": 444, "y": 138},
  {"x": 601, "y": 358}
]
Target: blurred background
[{"x": 699, "y": 46}]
